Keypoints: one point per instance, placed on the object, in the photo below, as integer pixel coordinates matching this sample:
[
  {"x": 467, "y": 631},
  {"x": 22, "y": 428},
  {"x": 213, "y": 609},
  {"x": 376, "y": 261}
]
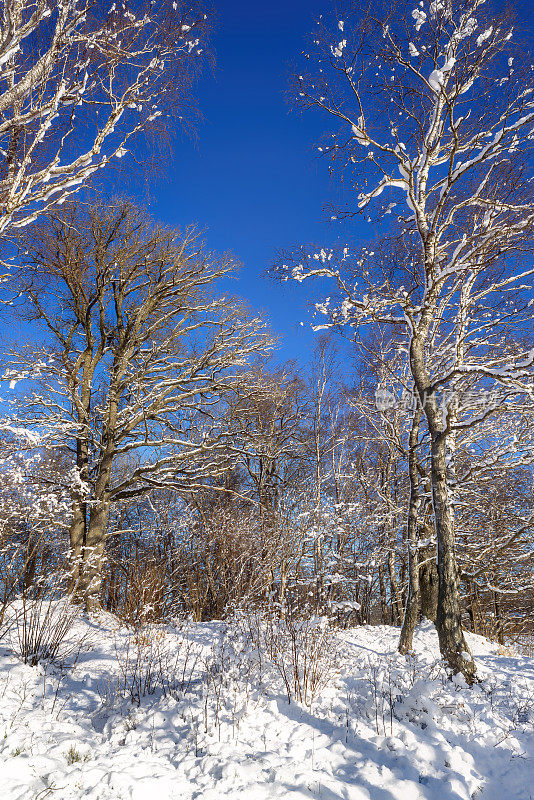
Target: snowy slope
[{"x": 385, "y": 728}]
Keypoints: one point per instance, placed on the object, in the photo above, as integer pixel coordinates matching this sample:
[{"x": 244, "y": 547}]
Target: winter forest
[{"x": 226, "y": 571}]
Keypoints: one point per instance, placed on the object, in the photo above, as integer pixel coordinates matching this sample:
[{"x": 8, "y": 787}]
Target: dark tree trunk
[
  {"x": 412, "y": 602},
  {"x": 429, "y": 583},
  {"x": 452, "y": 642},
  {"x": 396, "y": 604},
  {"x": 473, "y": 606},
  {"x": 383, "y": 601},
  {"x": 90, "y": 582},
  {"x": 78, "y": 524},
  {"x": 77, "y": 538},
  {"x": 498, "y": 618}
]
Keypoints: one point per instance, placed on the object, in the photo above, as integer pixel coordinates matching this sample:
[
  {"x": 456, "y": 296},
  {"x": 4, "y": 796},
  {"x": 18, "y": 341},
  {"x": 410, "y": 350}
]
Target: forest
[{"x": 166, "y": 469}]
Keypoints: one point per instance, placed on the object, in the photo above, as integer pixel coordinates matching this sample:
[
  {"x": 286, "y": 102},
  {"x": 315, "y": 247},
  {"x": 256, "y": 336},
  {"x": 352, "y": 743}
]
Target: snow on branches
[
  {"x": 449, "y": 123},
  {"x": 78, "y": 82}
]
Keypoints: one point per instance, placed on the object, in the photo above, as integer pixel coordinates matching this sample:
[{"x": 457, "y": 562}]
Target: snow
[
  {"x": 419, "y": 17},
  {"x": 436, "y": 79},
  {"x": 338, "y": 51},
  {"x": 483, "y": 36},
  {"x": 386, "y": 727},
  {"x": 436, "y": 6},
  {"x": 467, "y": 30},
  {"x": 359, "y": 133}
]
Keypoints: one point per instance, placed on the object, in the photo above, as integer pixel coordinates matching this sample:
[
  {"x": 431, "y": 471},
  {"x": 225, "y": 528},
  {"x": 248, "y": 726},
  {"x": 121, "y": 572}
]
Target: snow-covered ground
[{"x": 385, "y": 727}]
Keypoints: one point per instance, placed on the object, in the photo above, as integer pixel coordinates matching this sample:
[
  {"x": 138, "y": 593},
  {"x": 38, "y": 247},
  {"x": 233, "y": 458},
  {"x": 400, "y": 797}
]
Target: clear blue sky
[{"x": 253, "y": 177}]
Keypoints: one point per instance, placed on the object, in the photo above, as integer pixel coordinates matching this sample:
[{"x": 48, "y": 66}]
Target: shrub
[
  {"x": 148, "y": 662},
  {"x": 42, "y": 626},
  {"x": 301, "y": 648}
]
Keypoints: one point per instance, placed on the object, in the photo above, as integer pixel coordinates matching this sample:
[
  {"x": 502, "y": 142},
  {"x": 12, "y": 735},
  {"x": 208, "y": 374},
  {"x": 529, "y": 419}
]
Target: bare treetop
[
  {"x": 78, "y": 82},
  {"x": 429, "y": 101}
]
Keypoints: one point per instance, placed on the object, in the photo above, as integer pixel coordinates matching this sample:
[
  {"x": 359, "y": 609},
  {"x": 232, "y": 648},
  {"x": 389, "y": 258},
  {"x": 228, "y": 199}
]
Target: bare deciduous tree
[{"x": 135, "y": 359}]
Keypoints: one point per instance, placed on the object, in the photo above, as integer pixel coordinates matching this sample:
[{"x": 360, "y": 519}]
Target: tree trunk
[
  {"x": 452, "y": 644},
  {"x": 283, "y": 587},
  {"x": 383, "y": 601},
  {"x": 78, "y": 524},
  {"x": 77, "y": 539},
  {"x": 93, "y": 561},
  {"x": 90, "y": 582},
  {"x": 412, "y": 602},
  {"x": 473, "y": 607},
  {"x": 396, "y": 604},
  {"x": 498, "y": 618},
  {"x": 429, "y": 583}
]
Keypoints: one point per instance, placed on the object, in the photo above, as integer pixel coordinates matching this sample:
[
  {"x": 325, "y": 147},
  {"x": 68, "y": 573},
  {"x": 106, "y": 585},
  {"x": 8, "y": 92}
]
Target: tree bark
[
  {"x": 429, "y": 583},
  {"x": 383, "y": 601},
  {"x": 78, "y": 523},
  {"x": 396, "y": 603},
  {"x": 452, "y": 644},
  {"x": 498, "y": 618},
  {"x": 90, "y": 582},
  {"x": 473, "y": 607},
  {"x": 412, "y": 602},
  {"x": 82, "y": 404}
]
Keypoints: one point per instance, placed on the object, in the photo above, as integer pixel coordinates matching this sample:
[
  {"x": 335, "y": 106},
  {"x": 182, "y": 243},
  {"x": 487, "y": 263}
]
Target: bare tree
[
  {"x": 433, "y": 104},
  {"x": 79, "y": 80},
  {"x": 135, "y": 359}
]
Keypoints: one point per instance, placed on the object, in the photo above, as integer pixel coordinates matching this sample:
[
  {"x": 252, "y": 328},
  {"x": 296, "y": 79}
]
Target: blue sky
[{"x": 253, "y": 177}]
